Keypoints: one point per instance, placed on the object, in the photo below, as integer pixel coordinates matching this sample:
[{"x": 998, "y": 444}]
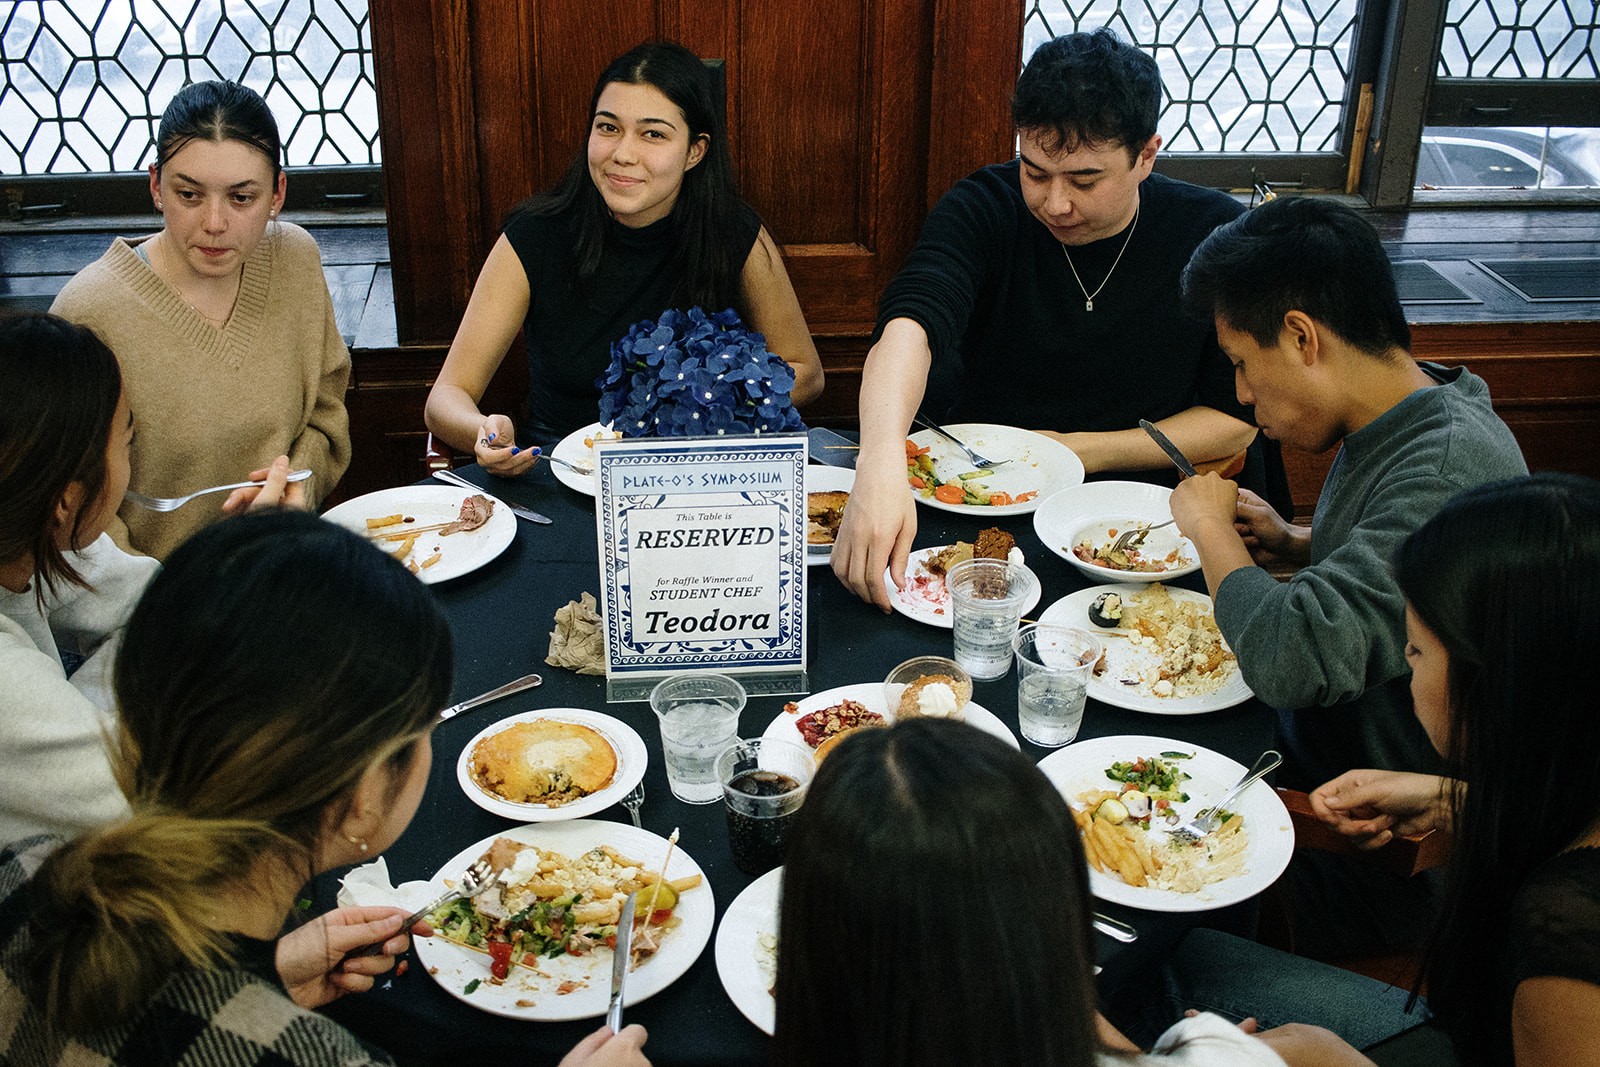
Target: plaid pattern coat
[{"x": 238, "y": 1016}]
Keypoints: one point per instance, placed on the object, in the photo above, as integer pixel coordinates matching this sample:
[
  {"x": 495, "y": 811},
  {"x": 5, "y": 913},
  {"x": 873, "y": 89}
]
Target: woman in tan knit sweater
[{"x": 222, "y": 321}]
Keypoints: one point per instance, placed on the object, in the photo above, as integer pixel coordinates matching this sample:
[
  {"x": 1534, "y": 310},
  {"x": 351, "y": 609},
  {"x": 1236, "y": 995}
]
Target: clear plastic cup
[
  {"x": 699, "y": 717},
  {"x": 1053, "y": 665},
  {"x": 986, "y": 603},
  {"x": 763, "y": 783}
]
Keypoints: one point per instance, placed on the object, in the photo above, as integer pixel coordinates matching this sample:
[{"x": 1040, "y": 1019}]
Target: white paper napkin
[{"x": 369, "y": 886}]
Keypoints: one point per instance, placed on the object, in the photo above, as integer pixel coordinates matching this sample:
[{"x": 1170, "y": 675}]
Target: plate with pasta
[{"x": 1128, "y": 791}]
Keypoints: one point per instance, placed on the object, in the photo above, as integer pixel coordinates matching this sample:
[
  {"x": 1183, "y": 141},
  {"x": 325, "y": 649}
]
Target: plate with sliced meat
[{"x": 438, "y": 531}]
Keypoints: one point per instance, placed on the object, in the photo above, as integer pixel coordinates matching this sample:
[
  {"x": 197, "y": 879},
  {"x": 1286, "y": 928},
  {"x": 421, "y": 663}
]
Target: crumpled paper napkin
[
  {"x": 577, "y": 643},
  {"x": 368, "y": 886}
]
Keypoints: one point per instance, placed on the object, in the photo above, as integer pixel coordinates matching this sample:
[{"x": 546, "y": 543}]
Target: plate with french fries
[
  {"x": 1146, "y": 867},
  {"x": 431, "y": 528},
  {"x": 563, "y": 987}
]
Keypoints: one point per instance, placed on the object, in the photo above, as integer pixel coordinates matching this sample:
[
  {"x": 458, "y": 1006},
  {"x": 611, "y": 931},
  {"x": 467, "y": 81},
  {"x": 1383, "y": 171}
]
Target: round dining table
[{"x": 501, "y": 616}]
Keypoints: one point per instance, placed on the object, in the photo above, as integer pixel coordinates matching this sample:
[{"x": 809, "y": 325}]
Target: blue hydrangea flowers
[{"x": 691, "y": 374}]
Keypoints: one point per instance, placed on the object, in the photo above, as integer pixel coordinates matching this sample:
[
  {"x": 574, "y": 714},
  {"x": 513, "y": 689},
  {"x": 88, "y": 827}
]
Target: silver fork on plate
[
  {"x": 575, "y": 468},
  {"x": 633, "y": 802},
  {"x": 977, "y": 460},
  {"x": 475, "y": 880},
  {"x": 1135, "y": 537},
  {"x": 1205, "y": 820},
  {"x": 172, "y": 503}
]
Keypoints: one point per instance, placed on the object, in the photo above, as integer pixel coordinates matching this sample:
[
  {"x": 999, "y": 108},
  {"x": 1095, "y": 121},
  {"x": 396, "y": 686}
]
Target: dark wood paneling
[{"x": 1544, "y": 379}]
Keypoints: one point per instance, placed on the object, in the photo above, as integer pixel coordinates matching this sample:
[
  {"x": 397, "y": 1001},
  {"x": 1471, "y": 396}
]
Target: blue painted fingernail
[
  {"x": 536, "y": 450},
  {"x": 515, "y": 450},
  {"x": 492, "y": 436}
]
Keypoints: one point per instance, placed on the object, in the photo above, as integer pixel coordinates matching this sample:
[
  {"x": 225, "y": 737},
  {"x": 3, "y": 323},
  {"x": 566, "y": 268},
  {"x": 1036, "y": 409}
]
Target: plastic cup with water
[
  {"x": 699, "y": 717},
  {"x": 986, "y": 602},
  {"x": 1053, "y": 666}
]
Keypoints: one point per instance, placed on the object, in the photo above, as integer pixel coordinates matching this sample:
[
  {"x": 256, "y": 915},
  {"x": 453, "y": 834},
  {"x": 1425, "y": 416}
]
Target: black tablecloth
[{"x": 501, "y": 616}]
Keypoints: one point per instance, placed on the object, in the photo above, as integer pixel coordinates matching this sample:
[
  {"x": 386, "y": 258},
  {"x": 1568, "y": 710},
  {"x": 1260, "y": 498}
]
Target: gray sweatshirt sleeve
[{"x": 1337, "y": 627}]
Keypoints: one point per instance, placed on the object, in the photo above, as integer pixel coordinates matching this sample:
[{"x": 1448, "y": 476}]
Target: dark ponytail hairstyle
[
  {"x": 1507, "y": 575},
  {"x": 708, "y": 209},
  {"x": 218, "y": 111},
  {"x": 273, "y": 661},
  {"x": 881, "y": 963},
  {"x": 61, "y": 393}
]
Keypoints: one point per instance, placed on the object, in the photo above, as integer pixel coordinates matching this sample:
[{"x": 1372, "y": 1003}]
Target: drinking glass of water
[
  {"x": 986, "y": 600},
  {"x": 699, "y": 717},
  {"x": 1053, "y": 665}
]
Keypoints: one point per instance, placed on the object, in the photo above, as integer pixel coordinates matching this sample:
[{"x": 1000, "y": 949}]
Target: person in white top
[{"x": 65, "y": 588}]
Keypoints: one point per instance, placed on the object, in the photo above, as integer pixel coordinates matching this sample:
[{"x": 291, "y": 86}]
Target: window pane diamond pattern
[
  {"x": 83, "y": 82},
  {"x": 1520, "y": 39},
  {"x": 1239, "y": 76}
]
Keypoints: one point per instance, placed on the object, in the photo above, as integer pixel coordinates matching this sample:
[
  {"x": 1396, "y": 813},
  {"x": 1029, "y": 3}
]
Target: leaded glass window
[
  {"x": 83, "y": 82},
  {"x": 1239, "y": 76}
]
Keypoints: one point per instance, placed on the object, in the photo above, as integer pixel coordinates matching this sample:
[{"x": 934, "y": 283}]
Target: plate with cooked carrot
[{"x": 1028, "y": 468}]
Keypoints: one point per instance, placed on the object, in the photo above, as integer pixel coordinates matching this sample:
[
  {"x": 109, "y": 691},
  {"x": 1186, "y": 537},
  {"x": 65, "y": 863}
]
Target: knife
[
  {"x": 619, "y": 963},
  {"x": 527, "y": 681},
  {"x": 1114, "y": 928},
  {"x": 516, "y": 509},
  {"x": 1178, "y": 458}
]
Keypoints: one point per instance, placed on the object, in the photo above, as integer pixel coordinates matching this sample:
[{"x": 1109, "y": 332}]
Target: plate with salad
[
  {"x": 1166, "y": 782},
  {"x": 1029, "y": 468}
]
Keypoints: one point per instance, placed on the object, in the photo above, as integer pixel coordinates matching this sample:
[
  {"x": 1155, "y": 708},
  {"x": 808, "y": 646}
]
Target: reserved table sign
[{"x": 703, "y": 560}]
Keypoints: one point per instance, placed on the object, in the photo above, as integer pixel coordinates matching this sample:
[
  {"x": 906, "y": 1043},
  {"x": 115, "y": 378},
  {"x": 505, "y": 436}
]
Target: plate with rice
[
  {"x": 1231, "y": 866},
  {"x": 1165, "y": 656}
]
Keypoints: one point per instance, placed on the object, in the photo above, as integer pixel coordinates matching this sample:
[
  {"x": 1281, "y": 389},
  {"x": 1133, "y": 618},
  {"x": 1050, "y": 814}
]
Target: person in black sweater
[{"x": 1043, "y": 293}]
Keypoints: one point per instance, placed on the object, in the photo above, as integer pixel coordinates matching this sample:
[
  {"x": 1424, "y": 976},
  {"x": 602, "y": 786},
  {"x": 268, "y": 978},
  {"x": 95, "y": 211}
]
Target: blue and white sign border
[{"x": 634, "y": 665}]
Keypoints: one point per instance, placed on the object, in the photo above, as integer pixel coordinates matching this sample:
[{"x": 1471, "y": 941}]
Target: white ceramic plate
[
  {"x": 1081, "y": 766},
  {"x": 925, "y": 597},
  {"x": 572, "y": 449},
  {"x": 526, "y": 995},
  {"x": 460, "y": 553},
  {"x": 1060, "y": 523},
  {"x": 821, "y": 479},
  {"x": 1038, "y": 464},
  {"x": 632, "y": 756},
  {"x": 1073, "y": 610},
  {"x": 752, "y": 913},
  {"x": 870, "y": 695}
]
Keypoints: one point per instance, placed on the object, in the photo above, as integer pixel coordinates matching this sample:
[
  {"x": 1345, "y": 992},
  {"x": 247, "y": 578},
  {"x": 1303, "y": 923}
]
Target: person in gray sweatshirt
[{"x": 1307, "y": 311}]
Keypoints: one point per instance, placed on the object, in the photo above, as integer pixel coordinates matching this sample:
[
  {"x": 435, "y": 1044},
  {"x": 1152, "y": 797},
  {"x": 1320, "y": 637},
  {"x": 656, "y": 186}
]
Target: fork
[
  {"x": 977, "y": 461},
  {"x": 633, "y": 802},
  {"x": 1135, "y": 537},
  {"x": 173, "y": 503},
  {"x": 1205, "y": 820},
  {"x": 475, "y": 880},
  {"x": 575, "y": 468}
]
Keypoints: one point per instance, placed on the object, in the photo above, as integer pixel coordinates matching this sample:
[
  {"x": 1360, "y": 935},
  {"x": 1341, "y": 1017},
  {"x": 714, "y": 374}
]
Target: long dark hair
[
  {"x": 62, "y": 388},
  {"x": 883, "y": 961},
  {"x": 218, "y": 111},
  {"x": 274, "y": 661},
  {"x": 705, "y": 215},
  {"x": 1507, "y": 575}
]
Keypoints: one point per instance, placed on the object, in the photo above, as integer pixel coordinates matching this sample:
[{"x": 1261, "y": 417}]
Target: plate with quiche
[
  {"x": 827, "y": 491},
  {"x": 551, "y": 765}
]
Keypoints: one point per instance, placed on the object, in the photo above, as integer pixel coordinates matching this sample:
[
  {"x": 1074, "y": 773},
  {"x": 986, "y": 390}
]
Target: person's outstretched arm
[
  {"x": 495, "y": 313},
  {"x": 775, "y": 311}
]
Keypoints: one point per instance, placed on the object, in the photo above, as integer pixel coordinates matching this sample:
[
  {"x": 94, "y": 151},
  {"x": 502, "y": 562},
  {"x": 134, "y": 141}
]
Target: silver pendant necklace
[{"x": 1088, "y": 297}]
